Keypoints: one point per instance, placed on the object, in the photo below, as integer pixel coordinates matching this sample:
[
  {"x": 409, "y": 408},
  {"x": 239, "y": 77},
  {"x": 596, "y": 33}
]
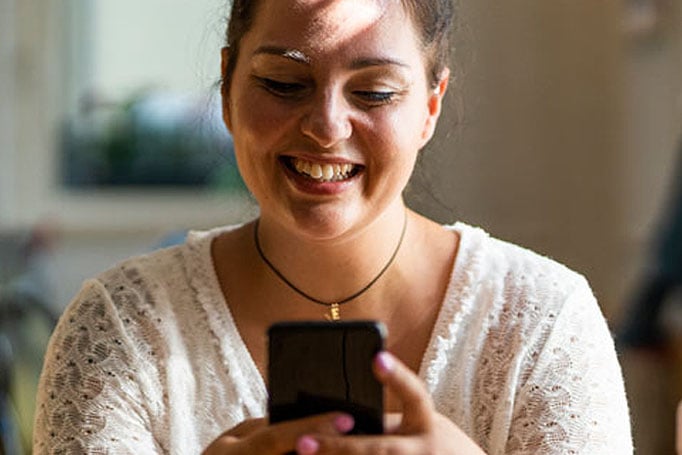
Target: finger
[
  {"x": 221, "y": 444},
  {"x": 362, "y": 445},
  {"x": 392, "y": 422},
  {"x": 417, "y": 404},
  {"x": 281, "y": 437},
  {"x": 246, "y": 427}
]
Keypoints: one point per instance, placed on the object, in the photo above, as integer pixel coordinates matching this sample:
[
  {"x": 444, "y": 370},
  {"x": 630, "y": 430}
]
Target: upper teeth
[{"x": 323, "y": 172}]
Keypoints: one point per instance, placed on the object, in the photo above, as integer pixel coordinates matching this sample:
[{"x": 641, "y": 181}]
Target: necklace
[{"x": 334, "y": 313}]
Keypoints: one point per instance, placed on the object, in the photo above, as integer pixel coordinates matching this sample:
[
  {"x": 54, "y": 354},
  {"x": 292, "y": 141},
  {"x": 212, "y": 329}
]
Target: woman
[{"x": 494, "y": 349}]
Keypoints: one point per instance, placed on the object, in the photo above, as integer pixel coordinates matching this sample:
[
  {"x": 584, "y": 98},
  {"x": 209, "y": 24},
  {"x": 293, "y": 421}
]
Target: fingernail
[
  {"x": 306, "y": 445},
  {"x": 384, "y": 362},
  {"x": 344, "y": 423}
]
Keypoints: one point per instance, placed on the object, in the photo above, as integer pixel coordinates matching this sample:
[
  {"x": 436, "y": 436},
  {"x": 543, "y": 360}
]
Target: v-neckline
[{"x": 216, "y": 303}]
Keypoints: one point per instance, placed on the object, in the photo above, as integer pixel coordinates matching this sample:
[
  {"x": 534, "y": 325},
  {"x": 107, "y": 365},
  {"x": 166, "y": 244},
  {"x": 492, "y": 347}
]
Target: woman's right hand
[{"x": 256, "y": 436}]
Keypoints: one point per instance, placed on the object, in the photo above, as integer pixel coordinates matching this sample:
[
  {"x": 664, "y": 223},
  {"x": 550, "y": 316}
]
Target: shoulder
[
  {"x": 159, "y": 267},
  {"x": 532, "y": 345},
  {"x": 514, "y": 277},
  {"x": 508, "y": 260},
  {"x": 505, "y": 301},
  {"x": 530, "y": 300},
  {"x": 146, "y": 276},
  {"x": 510, "y": 304},
  {"x": 524, "y": 311},
  {"x": 124, "y": 305},
  {"x": 142, "y": 298},
  {"x": 162, "y": 278}
]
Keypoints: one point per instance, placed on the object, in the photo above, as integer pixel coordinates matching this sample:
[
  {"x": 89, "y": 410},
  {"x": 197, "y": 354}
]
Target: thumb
[{"x": 417, "y": 405}]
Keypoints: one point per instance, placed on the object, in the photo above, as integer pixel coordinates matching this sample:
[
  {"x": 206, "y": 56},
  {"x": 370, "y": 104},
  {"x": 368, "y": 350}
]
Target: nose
[{"x": 327, "y": 120}]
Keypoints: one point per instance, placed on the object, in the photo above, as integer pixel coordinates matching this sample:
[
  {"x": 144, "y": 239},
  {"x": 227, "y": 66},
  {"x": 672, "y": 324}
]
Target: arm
[
  {"x": 571, "y": 398},
  {"x": 89, "y": 398}
]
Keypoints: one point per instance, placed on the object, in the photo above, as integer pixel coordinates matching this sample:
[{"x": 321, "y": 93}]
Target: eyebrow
[
  {"x": 377, "y": 61},
  {"x": 291, "y": 54},
  {"x": 300, "y": 57}
]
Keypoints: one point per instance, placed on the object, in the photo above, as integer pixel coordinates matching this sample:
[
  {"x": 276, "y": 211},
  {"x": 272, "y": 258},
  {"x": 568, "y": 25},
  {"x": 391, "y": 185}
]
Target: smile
[{"x": 322, "y": 172}]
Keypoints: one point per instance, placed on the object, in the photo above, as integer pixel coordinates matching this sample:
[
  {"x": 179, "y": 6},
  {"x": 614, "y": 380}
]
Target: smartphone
[{"x": 317, "y": 367}]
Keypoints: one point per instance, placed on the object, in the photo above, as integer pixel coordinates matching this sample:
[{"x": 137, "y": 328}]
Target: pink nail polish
[
  {"x": 344, "y": 423},
  {"x": 384, "y": 362},
  {"x": 306, "y": 445}
]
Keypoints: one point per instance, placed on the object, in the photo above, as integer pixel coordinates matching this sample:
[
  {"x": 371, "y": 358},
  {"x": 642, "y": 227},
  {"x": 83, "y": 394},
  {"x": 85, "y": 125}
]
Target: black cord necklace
[{"x": 334, "y": 314}]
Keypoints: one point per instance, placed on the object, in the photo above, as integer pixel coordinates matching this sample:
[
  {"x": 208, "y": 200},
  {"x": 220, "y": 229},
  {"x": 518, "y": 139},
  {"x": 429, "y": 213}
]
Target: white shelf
[{"x": 134, "y": 210}]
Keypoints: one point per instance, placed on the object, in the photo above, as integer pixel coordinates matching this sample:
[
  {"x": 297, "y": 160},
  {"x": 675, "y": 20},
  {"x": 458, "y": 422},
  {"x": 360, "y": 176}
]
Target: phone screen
[{"x": 316, "y": 367}]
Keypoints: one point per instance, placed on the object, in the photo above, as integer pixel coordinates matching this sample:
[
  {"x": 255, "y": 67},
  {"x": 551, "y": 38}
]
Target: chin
[{"x": 321, "y": 225}]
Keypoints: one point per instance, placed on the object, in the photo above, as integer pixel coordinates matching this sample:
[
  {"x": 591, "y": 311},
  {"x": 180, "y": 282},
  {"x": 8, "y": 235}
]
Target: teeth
[
  {"x": 316, "y": 171},
  {"x": 327, "y": 171},
  {"x": 323, "y": 172}
]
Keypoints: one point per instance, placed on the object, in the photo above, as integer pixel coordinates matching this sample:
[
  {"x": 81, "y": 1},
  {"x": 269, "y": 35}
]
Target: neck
[{"x": 334, "y": 270}]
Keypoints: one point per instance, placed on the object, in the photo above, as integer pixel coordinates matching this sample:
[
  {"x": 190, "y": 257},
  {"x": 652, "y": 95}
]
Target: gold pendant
[{"x": 334, "y": 314}]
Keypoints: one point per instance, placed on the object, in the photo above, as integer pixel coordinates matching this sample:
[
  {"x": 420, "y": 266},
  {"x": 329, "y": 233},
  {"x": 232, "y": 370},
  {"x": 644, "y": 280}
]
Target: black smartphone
[{"x": 317, "y": 367}]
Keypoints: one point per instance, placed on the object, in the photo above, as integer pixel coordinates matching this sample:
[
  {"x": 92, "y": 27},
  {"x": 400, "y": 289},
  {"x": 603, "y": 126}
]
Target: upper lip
[{"x": 321, "y": 159}]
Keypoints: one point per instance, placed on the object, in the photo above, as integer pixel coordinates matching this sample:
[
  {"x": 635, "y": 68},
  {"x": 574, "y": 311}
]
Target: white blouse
[{"x": 147, "y": 358}]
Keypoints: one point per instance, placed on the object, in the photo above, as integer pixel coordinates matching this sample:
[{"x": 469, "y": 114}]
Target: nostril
[{"x": 328, "y": 125}]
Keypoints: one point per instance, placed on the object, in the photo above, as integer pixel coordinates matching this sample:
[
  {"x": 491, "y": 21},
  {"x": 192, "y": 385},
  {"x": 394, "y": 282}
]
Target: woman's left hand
[{"x": 419, "y": 429}]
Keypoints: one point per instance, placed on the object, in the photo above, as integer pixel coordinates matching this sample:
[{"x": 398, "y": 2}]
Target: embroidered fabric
[{"x": 147, "y": 358}]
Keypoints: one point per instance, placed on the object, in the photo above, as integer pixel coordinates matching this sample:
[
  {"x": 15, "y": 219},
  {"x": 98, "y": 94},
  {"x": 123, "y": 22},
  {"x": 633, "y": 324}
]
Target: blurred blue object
[
  {"x": 171, "y": 239},
  {"x": 151, "y": 138},
  {"x": 9, "y": 433},
  {"x": 661, "y": 280}
]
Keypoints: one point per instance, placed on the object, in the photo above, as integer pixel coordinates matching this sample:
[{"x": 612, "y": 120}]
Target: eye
[
  {"x": 375, "y": 98},
  {"x": 280, "y": 88}
]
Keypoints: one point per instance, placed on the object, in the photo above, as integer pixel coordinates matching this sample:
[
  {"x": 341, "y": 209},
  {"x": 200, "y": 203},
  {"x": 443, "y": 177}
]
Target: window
[{"x": 116, "y": 115}]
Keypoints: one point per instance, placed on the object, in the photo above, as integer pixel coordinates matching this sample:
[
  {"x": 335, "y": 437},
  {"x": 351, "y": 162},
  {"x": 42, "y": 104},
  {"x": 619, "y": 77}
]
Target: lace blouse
[{"x": 147, "y": 358}]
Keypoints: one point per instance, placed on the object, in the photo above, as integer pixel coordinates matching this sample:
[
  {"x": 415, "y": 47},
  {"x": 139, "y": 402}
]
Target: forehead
[{"x": 316, "y": 25}]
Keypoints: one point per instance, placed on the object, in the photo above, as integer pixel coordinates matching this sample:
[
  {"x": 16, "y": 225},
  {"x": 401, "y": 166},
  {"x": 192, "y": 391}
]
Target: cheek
[
  {"x": 258, "y": 118},
  {"x": 260, "y": 130},
  {"x": 406, "y": 140},
  {"x": 402, "y": 132},
  {"x": 393, "y": 150}
]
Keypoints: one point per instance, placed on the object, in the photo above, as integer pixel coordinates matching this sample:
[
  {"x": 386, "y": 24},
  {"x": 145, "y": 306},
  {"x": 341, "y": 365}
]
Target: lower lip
[{"x": 310, "y": 186}]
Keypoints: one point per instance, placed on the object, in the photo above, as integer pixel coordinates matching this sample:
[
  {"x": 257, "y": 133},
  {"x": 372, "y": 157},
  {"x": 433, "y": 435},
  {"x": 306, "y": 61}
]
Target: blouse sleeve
[
  {"x": 572, "y": 398},
  {"x": 92, "y": 396}
]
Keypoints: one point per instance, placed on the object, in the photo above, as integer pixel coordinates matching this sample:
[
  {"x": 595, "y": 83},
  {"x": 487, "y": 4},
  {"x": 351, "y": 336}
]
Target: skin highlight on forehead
[
  {"x": 336, "y": 21},
  {"x": 291, "y": 54}
]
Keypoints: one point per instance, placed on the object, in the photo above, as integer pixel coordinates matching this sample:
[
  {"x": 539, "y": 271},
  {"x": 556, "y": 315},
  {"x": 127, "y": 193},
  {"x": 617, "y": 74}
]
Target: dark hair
[{"x": 433, "y": 18}]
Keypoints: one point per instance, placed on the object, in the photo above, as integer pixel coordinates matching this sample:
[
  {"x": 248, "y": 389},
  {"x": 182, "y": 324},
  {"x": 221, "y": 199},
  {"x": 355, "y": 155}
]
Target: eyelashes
[
  {"x": 297, "y": 91},
  {"x": 280, "y": 88},
  {"x": 377, "y": 97}
]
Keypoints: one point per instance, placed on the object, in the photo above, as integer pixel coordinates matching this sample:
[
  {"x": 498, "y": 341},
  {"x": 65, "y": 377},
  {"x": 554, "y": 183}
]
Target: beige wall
[
  {"x": 538, "y": 156},
  {"x": 653, "y": 128},
  {"x": 559, "y": 134},
  {"x": 567, "y": 145}
]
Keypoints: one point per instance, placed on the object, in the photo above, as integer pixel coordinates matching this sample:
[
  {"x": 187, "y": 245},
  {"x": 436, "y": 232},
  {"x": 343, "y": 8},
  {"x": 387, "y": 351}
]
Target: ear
[
  {"x": 435, "y": 104},
  {"x": 224, "y": 90}
]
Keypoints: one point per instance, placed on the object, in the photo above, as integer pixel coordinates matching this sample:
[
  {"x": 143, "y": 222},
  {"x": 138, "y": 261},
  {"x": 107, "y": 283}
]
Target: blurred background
[{"x": 562, "y": 132}]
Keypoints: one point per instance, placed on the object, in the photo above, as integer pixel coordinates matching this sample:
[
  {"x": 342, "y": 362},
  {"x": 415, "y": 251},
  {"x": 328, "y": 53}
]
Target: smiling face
[{"x": 328, "y": 106}]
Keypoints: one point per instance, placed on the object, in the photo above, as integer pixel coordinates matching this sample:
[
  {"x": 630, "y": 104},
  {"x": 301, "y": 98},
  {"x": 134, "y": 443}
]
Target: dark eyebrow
[{"x": 377, "y": 61}]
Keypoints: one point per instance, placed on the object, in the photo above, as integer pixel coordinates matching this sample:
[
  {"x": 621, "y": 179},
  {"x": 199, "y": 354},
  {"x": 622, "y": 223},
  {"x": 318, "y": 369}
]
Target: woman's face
[{"x": 328, "y": 107}]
